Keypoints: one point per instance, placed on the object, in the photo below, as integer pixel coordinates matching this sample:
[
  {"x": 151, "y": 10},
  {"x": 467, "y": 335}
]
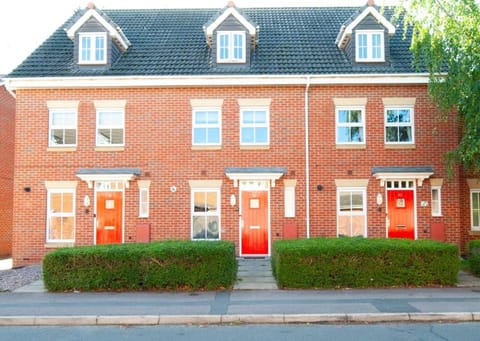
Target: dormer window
[
  {"x": 231, "y": 47},
  {"x": 92, "y": 48},
  {"x": 370, "y": 46}
]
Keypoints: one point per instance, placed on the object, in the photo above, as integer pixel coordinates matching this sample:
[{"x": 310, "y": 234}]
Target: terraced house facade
[{"x": 248, "y": 125}]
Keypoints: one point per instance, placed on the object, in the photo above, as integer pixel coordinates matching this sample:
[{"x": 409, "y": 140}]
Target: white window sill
[
  {"x": 351, "y": 146},
  {"x": 61, "y": 149},
  {"x": 206, "y": 147},
  {"x": 57, "y": 245},
  {"x": 110, "y": 149},
  {"x": 400, "y": 146}
]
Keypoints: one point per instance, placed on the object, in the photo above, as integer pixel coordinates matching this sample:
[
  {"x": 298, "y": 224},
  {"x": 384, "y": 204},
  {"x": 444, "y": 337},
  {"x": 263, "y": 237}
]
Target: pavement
[{"x": 33, "y": 305}]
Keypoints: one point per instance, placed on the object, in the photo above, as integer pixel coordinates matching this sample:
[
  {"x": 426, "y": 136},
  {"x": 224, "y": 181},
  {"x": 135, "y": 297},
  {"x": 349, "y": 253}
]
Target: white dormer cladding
[
  {"x": 231, "y": 11},
  {"x": 346, "y": 31},
  {"x": 113, "y": 30}
]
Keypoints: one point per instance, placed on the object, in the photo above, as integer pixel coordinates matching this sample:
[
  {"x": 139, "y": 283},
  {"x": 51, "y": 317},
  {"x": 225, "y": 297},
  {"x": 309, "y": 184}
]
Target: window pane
[
  {"x": 211, "y": 198},
  {"x": 56, "y": 202},
  {"x": 358, "y": 226},
  {"x": 212, "y": 117},
  {"x": 214, "y": 135},
  {"x": 200, "y": 117},
  {"x": 247, "y": 135},
  {"x": 476, "y": 209},
  {"x": 224, "y": 46},
  {"x": 248, "y": 117},
  {"x": 200, "y": 135},
  {"x": 199, "y": 202},
  {"x": 99, "y": 48},
  {"x": 238, "y": 46},
  {"x": 355, "y": 116},
  {"x": 404, "y": 116},
  {"x": 213, "y": 231},
  {"x": 85, "y": 42},
  {"x": 342, "y": 116},
  {"x": 344, "y": 225},
  {"x": 70, "y": 136},
  {"x": 391, "y": 134},
  {"x": 117, "y": 136},
  {"x": 405, "y": 134},
  {"x": 357, "y": 201},
  {"x": 67, "y": 228},
  {"x": 356, "y": 134},
  {"x": 199, "y": 228},
  {"x": 103, "y": 136},
  {"x": 345, "y": 201},
  {"x": 261, "y": 135},
  {"x": 67, "y": 203},
  {"x": 343, "y": 134},
  {"x": 392, "y": 116}
]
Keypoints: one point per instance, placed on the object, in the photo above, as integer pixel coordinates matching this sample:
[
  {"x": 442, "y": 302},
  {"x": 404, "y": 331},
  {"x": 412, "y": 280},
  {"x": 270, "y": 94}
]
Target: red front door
[
  {"x": 254, "y": 224},
  {"x": 401, "y": 216},
  {"x": 109, "y": 217}
]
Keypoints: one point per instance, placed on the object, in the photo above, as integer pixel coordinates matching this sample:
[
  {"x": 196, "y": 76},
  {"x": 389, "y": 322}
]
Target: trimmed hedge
[
  {"x": 474, "y": 256},
  {"x": 170, "y": 265},
  {"x": 362, "y": 263}
]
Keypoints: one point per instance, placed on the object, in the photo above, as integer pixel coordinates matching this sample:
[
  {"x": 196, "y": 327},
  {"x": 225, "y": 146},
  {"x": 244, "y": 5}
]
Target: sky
[{"x": 25, "y": 24}]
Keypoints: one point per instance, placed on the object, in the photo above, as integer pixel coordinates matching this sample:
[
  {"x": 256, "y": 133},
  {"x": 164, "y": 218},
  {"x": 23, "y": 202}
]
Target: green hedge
[
  {"x": 170, "y": 265},
  {"x": 474, "y": 256},
  {"x": 362, "y": 262}
]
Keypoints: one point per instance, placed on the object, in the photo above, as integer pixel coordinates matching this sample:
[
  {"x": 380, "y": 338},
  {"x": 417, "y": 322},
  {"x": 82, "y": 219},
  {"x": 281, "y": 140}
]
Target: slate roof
[{"x": 171, "y": 42}]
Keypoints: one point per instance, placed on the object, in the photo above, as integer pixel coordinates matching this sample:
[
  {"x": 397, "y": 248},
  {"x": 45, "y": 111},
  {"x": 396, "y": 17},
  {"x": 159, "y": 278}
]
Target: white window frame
[
  {"x": 143, "y": 198},
  {"x": 52, "y": 113},
  {"x": 350, "y": 125},
  {"x": 255, "y": 125},
  {"x": 92, "y": 49},
  {"x": 230, "y": 58},
  {"x": 370, "y": 48},
  {"x": 289, "y": 201},
  {"x": 351, "y": 213},
  {"x": 207, "y": 126},
  {"x": 411, "y": 124},
  {"x": 121, "y": 125},
  {"x": 51, "y": 214},
  {"x": 472, "y": 209},
  {"x": 207, "y": 214},
  {"x": 438, "y": 202}
]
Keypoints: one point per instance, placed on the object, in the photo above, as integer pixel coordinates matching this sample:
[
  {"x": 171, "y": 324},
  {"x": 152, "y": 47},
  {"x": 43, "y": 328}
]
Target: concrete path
[{"x": 255, "y": 274}]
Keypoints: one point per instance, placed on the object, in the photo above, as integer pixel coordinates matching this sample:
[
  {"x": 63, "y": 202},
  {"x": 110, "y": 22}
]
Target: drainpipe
[{"x": 307, "y": 159}]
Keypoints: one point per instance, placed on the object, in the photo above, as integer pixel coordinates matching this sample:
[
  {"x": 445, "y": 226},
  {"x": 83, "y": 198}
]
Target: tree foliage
[{"x": 446, "y": 43}]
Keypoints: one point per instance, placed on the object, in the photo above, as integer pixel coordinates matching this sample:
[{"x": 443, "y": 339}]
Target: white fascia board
[
  {"x": 230, "y": 11},
  {"x": 114, "y": 32},
  {"x": 191, "y": 81},
  {"x": 347, "y": 31}
]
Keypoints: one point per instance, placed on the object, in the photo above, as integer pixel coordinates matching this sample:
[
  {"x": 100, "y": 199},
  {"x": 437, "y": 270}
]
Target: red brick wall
[
  {"x": 7, "y": 130},
  {"x": 158, "y": 141}
]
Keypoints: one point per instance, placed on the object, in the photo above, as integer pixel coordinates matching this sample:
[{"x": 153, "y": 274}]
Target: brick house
[
  {"x": 7, "y": 133},
  {"x": 248, "y": 125}
]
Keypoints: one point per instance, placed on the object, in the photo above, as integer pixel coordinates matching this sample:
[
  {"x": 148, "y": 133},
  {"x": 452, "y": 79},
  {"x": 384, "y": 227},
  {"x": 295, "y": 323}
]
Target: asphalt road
[{"x": 390, "y": 332}]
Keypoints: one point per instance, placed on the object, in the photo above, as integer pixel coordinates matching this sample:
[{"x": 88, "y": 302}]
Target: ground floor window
[
  {"x": 351, "y": 212},
  {"x": 206, "y": 214},
  {"x": 61, "y": 215},
  {"x": 475, "y": 208}
]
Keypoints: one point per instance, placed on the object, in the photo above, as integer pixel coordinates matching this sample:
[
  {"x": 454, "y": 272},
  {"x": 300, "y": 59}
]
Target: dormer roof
[
  {"x": 230, "y": 10},
  {"x": 113, "y": 29},
  {"x": 347, "y": 28}
]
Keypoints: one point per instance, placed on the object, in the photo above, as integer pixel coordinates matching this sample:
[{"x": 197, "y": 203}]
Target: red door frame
[
  {"x": 401, "y": 213},
  {"x": 109, "y": 221},
  {"x": 254, "y": 227}
]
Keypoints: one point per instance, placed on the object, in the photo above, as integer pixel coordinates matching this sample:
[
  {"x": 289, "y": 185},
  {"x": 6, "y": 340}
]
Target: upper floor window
[
  {"x": 206, "y": 127},
  {"x": 110, "y": 128},
  {"x": 231, "y": 47},
  {"x": 63, "y": 128},
  {"x": 370, "y": 46},
  {"x": 254, "y": 126},
  {"x": 399, "y": 125},
  {"x": 92, "y": 48},
  {"x": 350, "y": 125}
]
